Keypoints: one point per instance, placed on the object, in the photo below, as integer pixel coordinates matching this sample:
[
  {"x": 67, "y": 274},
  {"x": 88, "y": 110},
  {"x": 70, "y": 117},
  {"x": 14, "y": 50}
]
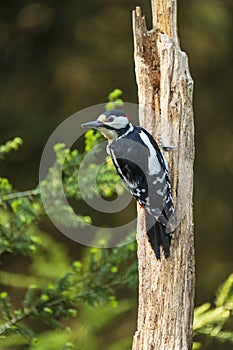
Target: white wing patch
[
  {"x": 153, "y": 162},
  {"x": 160, "y": 179}
]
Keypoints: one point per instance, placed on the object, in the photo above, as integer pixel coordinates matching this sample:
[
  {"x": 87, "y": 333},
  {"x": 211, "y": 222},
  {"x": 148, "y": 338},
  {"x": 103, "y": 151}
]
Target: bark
[{"x": 165, "y": 88}]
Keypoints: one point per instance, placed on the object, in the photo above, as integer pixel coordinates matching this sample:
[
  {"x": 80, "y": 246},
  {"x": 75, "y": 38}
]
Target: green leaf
[
  {"x": 115, "y": 94},
  {"x": 196, "y": 345},
  {"x": 225, "y": 293}
]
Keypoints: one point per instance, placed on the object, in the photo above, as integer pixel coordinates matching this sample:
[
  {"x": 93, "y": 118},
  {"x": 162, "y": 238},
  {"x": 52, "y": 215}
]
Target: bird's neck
[{"x": 113, "y": 134}]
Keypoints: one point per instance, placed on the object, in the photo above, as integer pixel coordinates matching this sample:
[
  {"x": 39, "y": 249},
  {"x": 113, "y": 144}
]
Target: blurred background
[{"x": 58, "y": 57}]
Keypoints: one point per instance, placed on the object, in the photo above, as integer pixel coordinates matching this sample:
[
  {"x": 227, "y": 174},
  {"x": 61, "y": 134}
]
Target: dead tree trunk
[{"x": 165, "y": 87}]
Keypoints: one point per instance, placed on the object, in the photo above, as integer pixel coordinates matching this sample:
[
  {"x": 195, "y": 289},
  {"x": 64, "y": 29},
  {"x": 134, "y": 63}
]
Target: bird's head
[{"x": 111, "y": 124}]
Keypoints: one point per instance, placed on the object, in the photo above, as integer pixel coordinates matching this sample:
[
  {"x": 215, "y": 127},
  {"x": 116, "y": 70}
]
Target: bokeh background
[{"x": 57, "y": 57}]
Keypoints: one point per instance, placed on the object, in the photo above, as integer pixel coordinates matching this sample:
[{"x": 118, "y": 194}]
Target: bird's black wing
[
  {"x": 130, "y": 160},
  {"x": 159, "y": 183},
  {"x": 140, "y": 164}
]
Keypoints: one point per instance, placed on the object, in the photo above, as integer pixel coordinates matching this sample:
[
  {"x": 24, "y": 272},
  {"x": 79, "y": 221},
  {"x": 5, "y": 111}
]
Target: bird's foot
[{"x": 166, "y": 148}]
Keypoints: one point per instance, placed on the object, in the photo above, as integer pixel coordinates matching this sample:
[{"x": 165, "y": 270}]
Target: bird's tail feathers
[{"x": 158, "y": 237}]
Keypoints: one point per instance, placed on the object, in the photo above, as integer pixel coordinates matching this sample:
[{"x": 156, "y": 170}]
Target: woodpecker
[{"x": 142, "y": 167}]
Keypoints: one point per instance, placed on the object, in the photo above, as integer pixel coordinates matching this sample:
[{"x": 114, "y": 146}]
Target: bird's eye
[{"x": 110, "y": 119}]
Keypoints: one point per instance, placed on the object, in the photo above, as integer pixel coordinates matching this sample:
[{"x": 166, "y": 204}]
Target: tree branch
[{"x": 165, "y": 87}]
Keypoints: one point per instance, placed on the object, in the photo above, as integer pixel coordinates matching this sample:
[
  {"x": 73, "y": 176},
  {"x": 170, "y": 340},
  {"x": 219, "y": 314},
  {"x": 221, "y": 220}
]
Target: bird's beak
[{"x": 95, "y": 124}]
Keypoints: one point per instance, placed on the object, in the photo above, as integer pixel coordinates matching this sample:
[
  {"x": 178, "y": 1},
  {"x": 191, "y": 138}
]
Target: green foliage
[
  {"x": 108, "y": 182},
  {"x": 18, "y": 214},
  {"x": 12, "y": 145},
  {"x": 54, "y": 296},
  {"x": 92, "y": 138},
  {"x": 21, "y": 209},
  {"x": 212, "y": 322},
  {"x": 62, "y": 177},
  {"x": 94, "y": 283},
  {"x": 114, "y": 100}
]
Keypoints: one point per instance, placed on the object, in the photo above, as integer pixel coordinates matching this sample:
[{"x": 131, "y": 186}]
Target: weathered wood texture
[{"x": 165, "y": 88}]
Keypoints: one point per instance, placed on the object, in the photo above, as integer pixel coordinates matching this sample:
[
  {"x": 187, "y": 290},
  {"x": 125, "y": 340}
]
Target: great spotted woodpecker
[{"x": 142, "y": 167}]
